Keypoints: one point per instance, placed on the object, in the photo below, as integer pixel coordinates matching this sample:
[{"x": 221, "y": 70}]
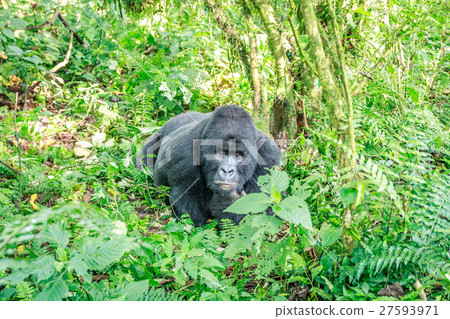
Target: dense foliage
[{"x": 79, "y": 222}]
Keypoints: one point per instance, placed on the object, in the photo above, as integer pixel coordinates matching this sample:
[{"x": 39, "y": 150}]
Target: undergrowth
[{"x": 79, "y": 222}]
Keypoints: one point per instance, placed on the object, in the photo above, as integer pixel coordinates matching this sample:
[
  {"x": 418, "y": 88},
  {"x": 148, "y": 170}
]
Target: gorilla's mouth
[{"x": 226, "y": 186}]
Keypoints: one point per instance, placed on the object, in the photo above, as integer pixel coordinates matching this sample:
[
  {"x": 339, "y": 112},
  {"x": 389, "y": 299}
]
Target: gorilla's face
[
  {"x": 228, "y": 165},
  {"x": 229, "y": 162},
  {"x": 228, "y": 152}
]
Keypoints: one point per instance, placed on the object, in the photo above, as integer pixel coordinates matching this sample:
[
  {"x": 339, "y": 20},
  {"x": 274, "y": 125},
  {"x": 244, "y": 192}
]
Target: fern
[
  {"x": 162, "y": 295},
  {"x": 378, "y": 179},
  {"x": 24, "y": 291},
  {"x": 228, "y": 229},
  {"x": 382, "y": 258}
]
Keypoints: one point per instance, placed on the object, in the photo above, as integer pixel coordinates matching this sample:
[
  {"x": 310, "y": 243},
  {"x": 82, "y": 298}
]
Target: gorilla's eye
[{"x": 239, "y": 157}]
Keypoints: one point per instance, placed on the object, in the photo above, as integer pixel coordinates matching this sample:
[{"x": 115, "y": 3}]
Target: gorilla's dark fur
[{"x": 206, "y": 176}]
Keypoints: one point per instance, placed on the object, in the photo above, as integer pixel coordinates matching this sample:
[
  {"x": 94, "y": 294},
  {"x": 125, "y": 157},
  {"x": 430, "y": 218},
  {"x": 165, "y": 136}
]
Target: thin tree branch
[
  {"x": 300, "y": 48},
  {"x": 10, "y": 167},
  {"x": 358, "y": 89},
  {"x": 51, "y": 22},
  {"x": 18, "y": 151},
  {"x": 38, "y": 26},
  {"x": 66, "y": 59},
  {"x": 60, "y": 65},
  {"x": 58, "y": 15},
  {"x": 68, "y": 28}
]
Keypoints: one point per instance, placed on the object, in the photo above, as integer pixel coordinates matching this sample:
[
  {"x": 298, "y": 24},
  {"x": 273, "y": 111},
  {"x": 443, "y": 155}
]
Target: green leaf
[
  {"x": 18, "y": 24},
  {"x": 365, "y": 288},
  {"x": 270, "y": 224},
  {"x": 210, "y": 262},
  {"x": 151, "y": 40},
  {"x": 168, "y": 247},
  {"x": 55, "y": 234},
  {"x": 361, "y": 11},
  {"x": 191, "y": 268},
  {"x": 89, "y": 76},
  {"x": 180, "y": 277},
  {"x": 294, "y": 210},
  {"x": 361, "y": 192},
  {"x": 55, "y": 290},
  {"x": 275, "y": 195},
  {"x": 390, "y": 69},
  {"x": 112, "y": 64},
  {"x": 134, "y": 290},
  {"x": 251, "y": 203},
  {"x": 44, "y": 267},
  {"x": 210, "y": 280},
  {"x": 329, "y": 234},
  {"x": 316, "y": 270},
  {"x": 9, "y": 33},
  {"x": 276, "y": 180},
  {"x": 353, "y": 232},
  {"x": 13, "y": 50},
  {"x": 195, "y": 252},
  {"x": 16, "y": 277},
  {"x": 297, "y": 260},
  {"x": 7, "y": 293},
  {"x": 99, "y": 254},
  {"x": 12, "y": 264},
  {"x": 303, "y": 39},
  {"x": 414, "y": 94},
  {"x": 348, "y": 196},
  {"x": 185, "y": 246},
  {"x": 303, "y": 194},
  {"x": 34, "y": 59},
  {"x": 80, "y": 267},
  {"x": 280, "y": 180},
  {"x": 90, "y": 33}
]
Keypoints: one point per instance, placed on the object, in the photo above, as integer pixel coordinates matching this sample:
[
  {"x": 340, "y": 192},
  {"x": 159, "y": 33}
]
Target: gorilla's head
[{"x": 229, "y": 152}]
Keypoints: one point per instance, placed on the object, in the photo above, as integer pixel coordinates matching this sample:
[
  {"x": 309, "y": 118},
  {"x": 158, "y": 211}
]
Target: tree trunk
[
  {"x": 253, "y": 59},
  {"x": 334, "y": 101},
  {"x": 343, "y": 72},
  {"x": 283, "y": 123},
  {"x": 231, "y": 34}
]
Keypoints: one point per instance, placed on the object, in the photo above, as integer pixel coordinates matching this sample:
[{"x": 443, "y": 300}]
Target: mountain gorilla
[{"x": 209, "y": 160}]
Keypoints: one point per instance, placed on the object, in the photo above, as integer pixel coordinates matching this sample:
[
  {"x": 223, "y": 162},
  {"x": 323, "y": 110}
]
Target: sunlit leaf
[
  {"x": 348, "y": 196},
  {"x": 251, "y": 203}
]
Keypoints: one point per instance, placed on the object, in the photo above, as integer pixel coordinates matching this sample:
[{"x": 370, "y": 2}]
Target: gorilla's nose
[{"x": 227, "y": 171}]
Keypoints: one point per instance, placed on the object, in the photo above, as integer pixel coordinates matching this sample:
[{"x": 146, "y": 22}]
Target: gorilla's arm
[
  {"x": 174, "y": 167},
  {"x": 191, "y": 201},
  {"x": 221, "y": 202}
]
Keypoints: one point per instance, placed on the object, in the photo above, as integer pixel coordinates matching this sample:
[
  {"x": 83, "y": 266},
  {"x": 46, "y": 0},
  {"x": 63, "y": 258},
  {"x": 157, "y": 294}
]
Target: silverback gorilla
[{"x": 209, "y": 160}]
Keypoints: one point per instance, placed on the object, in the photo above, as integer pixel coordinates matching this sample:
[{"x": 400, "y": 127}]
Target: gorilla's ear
[{"x": 268, "y": 156}]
